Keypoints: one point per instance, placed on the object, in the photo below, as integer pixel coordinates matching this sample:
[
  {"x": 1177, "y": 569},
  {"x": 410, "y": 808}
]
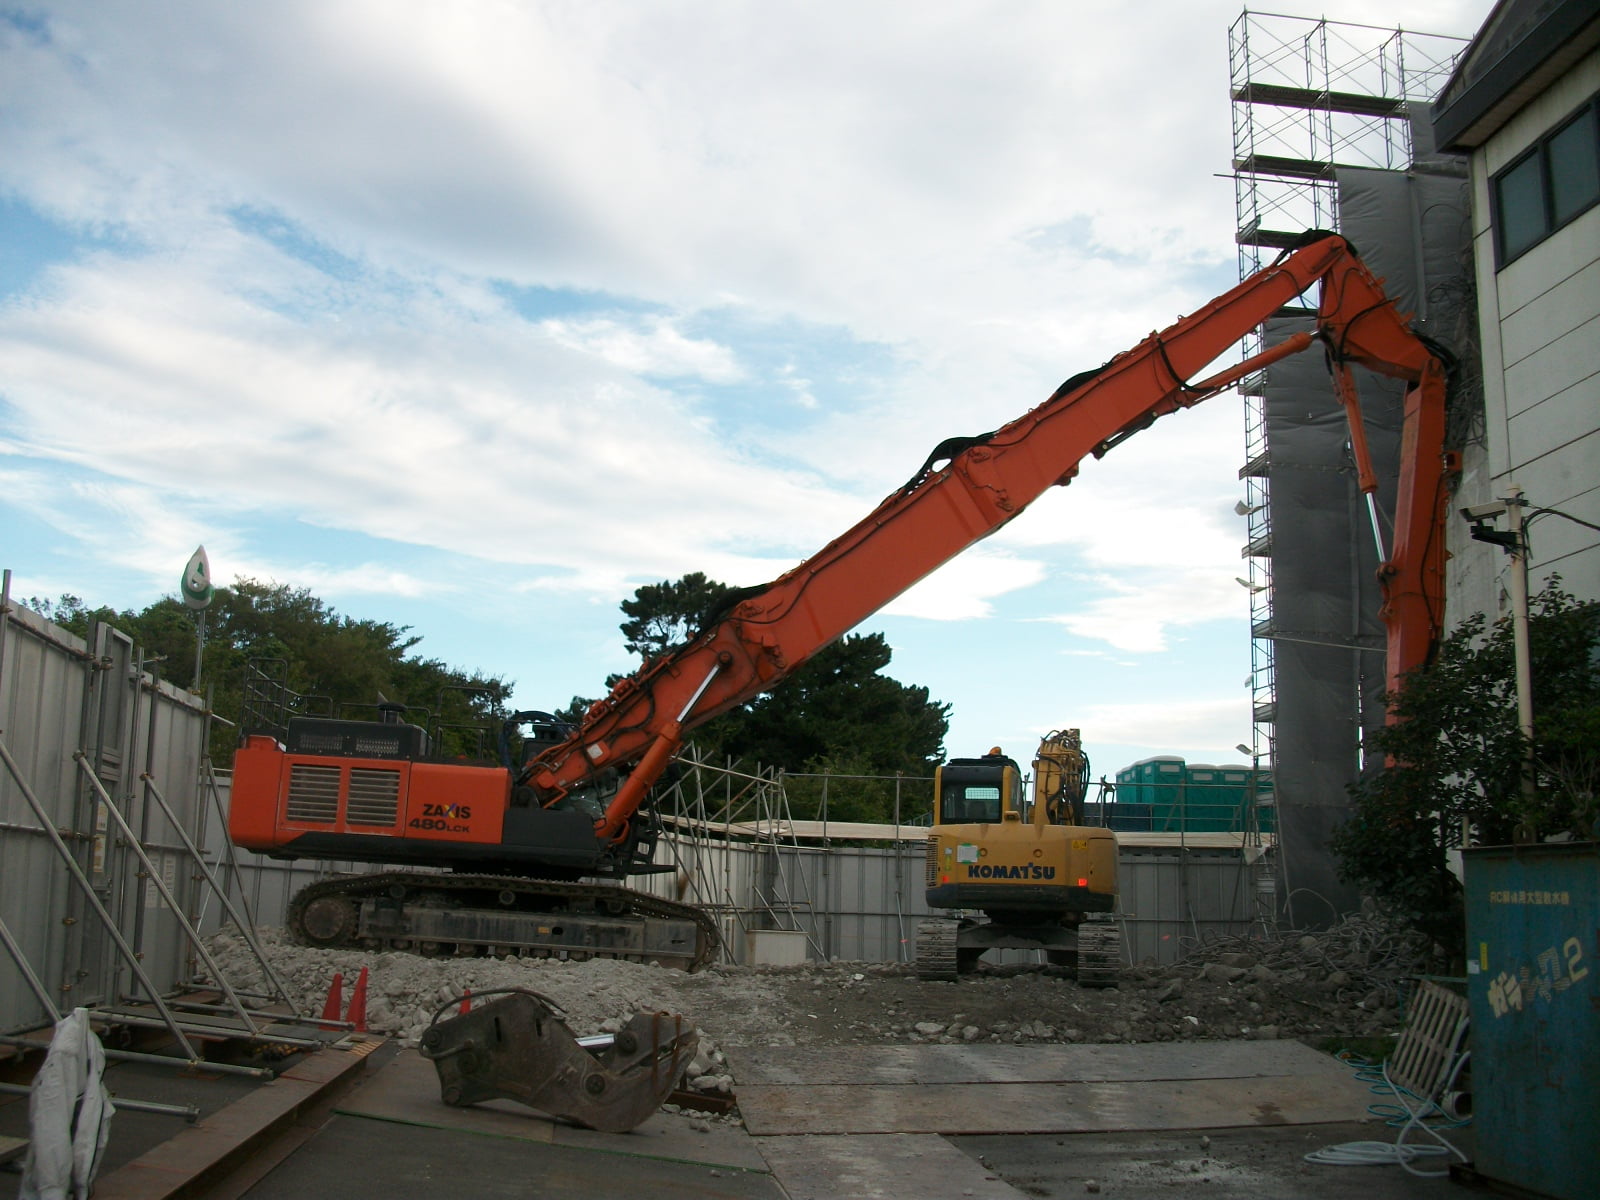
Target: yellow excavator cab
[{"x": 978, "y": 791}]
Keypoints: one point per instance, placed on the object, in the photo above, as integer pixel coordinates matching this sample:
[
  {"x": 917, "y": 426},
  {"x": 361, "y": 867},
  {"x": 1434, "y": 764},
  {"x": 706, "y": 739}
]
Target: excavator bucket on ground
[{"x": 517, "y": 1047}]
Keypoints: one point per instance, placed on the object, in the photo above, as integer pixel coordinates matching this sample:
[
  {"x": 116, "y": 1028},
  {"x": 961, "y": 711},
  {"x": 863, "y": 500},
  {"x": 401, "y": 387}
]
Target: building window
[
  {"x": 1574, "y": 167},
  {"x": 1555, "y": 181}
]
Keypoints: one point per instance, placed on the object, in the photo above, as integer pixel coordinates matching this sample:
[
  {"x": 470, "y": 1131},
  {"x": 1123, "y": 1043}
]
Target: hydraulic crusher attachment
[{"x": 518, "y": 1047}]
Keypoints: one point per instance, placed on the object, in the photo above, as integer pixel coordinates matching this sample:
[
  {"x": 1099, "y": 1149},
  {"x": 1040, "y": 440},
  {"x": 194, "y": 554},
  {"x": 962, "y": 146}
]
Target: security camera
[{"x": 1484, "y": 512}]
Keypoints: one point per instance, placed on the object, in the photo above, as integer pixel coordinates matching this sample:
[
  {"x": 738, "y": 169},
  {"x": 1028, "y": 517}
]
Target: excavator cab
[{"x": 979, "y": 791}]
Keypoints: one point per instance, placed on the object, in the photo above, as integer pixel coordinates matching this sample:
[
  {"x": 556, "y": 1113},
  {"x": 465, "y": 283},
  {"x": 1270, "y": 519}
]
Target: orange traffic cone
[
  {"x": 358, "y": 1003},
  {"x": 466, "y": 1000},
  {"x": 334, "y": 1004}
]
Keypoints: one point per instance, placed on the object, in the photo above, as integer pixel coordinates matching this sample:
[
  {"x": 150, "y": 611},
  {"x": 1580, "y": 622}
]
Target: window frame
[{"x": 1541, "y": 148}]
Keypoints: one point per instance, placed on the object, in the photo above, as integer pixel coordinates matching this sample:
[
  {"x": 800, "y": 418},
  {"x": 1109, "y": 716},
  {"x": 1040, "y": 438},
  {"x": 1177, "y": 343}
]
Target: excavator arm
[{"x": 970, "y": 487}]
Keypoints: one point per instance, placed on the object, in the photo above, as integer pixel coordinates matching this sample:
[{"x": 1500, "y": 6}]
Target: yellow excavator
[{"x": 1040, "y": 877}]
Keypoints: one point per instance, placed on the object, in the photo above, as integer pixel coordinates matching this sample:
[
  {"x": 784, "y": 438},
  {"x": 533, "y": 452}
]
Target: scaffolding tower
[{"x": 1308, "y": 96}]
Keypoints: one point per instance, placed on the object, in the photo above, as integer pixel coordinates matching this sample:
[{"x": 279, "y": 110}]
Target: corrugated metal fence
[
  {"x": 78, "y": 909},
  {"x": 862, "y": 903}
]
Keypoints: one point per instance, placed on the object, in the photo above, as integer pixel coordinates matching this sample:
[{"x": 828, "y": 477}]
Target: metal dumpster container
[{"x": 1533, "y": 986}]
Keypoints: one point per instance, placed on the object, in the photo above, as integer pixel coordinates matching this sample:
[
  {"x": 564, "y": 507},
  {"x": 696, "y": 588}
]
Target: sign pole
[{"x": 198, "y": 593}]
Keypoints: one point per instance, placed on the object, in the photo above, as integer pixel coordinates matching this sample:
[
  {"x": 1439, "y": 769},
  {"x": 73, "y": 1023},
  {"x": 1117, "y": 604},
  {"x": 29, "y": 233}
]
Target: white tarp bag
[{"x": 69, "y": 1114}]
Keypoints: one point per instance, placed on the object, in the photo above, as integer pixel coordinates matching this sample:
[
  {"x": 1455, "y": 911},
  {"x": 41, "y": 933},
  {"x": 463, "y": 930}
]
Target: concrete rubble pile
[
  {"x": 405, "y": 991},
  {"x": 1345, "y": 981}
]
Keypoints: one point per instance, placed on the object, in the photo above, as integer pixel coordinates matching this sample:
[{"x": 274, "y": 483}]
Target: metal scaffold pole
[
  {"x": 87, "y": 889},
  {"x": 243, "y": 924}
]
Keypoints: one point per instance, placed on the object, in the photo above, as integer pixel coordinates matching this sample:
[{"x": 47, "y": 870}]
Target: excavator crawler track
[
  {"x": 502, "y": 915},
  {"x": 937, "y": 956},
  {"x": 1099, "y": 953}
]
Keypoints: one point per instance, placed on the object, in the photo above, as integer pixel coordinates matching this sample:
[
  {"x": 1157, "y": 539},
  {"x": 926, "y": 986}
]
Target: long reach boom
[{"x": 970, "y": 487}]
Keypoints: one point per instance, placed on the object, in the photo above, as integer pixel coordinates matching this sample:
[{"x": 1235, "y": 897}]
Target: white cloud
[
  {"x": 365, "y": 579},
  {"x": 1137, "y": 611},
  {"x": 1196, "y": 726},
  {"x": 457, "y": 430},
  {"x": 103, "y": 521},
  {"x": 616, "y": 149},
  {"x": 965, "y": 587},
  {"x": 798, "y": 387},
  {"x": 655, "y": 348}
]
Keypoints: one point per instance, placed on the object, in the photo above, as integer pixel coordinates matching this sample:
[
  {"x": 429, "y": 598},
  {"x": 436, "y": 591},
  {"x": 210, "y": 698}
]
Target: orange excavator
[{"x": 509, "y": 845}]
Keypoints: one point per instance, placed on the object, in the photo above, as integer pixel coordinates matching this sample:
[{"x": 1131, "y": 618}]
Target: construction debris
[{"x": 1344, "y": 982}]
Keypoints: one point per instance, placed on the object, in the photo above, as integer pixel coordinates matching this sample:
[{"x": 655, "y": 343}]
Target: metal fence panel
[
  {"x": 169, "y": 743},
  {"x": 41, "y": 693},
  {"x": 65, "y": 702},
  {"x": 863, "y": 903},
  {"x": 1170, "y": 901}
]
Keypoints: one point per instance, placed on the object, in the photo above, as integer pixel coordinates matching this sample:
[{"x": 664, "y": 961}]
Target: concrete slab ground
[
  {"x": 1265, "y": 1163},
  {"x": 393, "y": 1137},
  {"x": 991, "y": 1122},
  {"x": 1258, "y": 1163},
  {"x": 1043, "y": 1089},
  {"x": 1009, "y": 1122},
  {"x": 355, "y": 1156},
  {"x": 880, "y": 1167}
]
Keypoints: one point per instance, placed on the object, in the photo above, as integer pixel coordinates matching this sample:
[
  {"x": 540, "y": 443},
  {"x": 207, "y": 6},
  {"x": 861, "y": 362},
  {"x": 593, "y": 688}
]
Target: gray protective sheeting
[{"x": 1412, "y": 229}]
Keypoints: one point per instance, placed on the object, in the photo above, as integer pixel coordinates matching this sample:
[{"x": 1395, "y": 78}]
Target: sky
[{"x": 475, "y": 317}]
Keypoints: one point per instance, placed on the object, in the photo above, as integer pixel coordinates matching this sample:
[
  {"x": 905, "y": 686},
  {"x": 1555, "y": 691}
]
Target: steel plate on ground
[
  {"x": 356, "y": 1157},
  {"x": 805, "y": 1065},
  {"x": 1049, "y": 1107},
  {"x": 928, "y": 1089},
  {"x": 407, "y": 1091}
]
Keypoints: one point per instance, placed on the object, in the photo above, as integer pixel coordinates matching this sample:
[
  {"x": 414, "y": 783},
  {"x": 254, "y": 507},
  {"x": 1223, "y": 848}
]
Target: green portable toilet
[
  {"x": 1209, "y": 805},
  {"x": 1163, "y": 780}
]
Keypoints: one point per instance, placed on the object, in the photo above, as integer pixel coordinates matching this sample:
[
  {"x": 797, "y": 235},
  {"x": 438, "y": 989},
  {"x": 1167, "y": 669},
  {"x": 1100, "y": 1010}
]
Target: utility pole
[
  {"x": 1518, "y": 553},
  {"x": 1514, "y": 541}
]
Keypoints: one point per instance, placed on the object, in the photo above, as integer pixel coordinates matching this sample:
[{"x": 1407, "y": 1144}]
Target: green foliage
[
  {"x": 839, "y": 708},
  {"x": 69, "y": 612},
  {"x": 347, "y": 664},
  {"x": 846, "y": 789},
  {"x": 837, "y": 712},
  {"x": 667, "y": 614},
  {"x": 1456, "y": 759}
]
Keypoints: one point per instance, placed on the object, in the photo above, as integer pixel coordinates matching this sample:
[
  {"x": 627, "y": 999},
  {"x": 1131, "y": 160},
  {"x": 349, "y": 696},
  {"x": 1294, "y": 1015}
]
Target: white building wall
[{"x": 1539, "y": 319}]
